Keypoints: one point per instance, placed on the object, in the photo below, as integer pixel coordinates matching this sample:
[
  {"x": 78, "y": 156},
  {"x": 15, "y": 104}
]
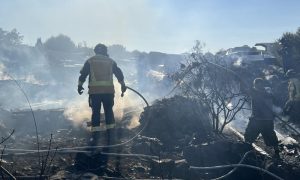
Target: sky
[{"x": 170, "y": 26}]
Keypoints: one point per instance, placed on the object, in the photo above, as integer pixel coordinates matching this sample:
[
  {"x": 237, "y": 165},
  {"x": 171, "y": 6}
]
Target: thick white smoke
[
  {"x": 49, "y": 79},
  {"x": 79, "y": 112}
]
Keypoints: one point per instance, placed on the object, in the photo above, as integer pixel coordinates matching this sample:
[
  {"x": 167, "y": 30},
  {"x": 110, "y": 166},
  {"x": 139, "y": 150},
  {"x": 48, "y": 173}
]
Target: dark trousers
[
  {"x": 95, "y": 101},
  {"x": 265, "y": 127}
]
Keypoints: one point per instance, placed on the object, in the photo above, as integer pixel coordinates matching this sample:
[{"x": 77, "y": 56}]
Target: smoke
[
  {"x": 134, "y": 122},
  {"x": 49, "y": 79},
  {"x": 128, "y": 103},
  {"x": 31, "y": 79},
  {"x": 156, "y": 75},
  {"x": 55, "y": 87},
  {"x": 3, "y": 76},
  {"x": 79, "y": 112}
]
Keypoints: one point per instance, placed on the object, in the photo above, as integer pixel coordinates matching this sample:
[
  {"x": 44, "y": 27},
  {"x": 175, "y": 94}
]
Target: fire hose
[
  {"x": 139, "y": 155},
  {"x": 237, "y": 165},
  {"x": 137, "y": 94},
  {"x": 93, "y": 147},
  {"x": 126, "y": 142},
  {"x": 233, "y": 170}
]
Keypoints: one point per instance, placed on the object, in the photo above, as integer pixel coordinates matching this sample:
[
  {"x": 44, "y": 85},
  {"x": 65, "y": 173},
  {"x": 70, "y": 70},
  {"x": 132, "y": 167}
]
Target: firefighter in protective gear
[
  {"x": 262, "y": 118},
  {"x": 292, "y": 106},
  {"x": 100, "y": 69}
]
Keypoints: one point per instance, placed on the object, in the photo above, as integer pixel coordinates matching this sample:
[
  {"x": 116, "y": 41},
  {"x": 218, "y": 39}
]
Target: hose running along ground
[
  {"x": 233, "y": 170},
  {"x": 237, "y": 165},
  {"x": 87, "y": 147}
]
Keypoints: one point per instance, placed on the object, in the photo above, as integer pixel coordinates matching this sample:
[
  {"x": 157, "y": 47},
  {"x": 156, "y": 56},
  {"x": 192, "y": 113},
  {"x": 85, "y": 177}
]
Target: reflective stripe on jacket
[
  {"x": 101, "y": 75},
  {"x": 100, "y": 70}
]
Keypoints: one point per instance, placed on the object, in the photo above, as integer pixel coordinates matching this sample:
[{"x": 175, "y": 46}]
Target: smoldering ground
[{"x": 48, "y": 79}]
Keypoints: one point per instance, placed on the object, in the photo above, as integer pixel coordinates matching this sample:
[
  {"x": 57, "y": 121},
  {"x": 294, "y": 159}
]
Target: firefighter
[
  {"x": 292, "y": 106},
  {"x": 262, "y": 117},
  {"x": 100, "y": 69}
]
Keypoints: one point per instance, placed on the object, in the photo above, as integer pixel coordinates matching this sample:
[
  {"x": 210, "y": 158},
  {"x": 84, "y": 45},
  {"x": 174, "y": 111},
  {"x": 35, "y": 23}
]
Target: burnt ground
[{"x": 167, "y": 148}]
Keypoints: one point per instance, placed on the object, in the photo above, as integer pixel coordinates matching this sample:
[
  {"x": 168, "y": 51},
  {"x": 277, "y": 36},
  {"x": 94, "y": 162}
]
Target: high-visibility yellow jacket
[
  {"x": 294, "y": 89},
  {"x": 100, "y": 70}
]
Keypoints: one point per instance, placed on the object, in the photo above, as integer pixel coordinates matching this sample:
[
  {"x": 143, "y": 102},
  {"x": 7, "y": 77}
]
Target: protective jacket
[
  {"x": 100, "y": 70},
  {"x": 262, "y": 103}
]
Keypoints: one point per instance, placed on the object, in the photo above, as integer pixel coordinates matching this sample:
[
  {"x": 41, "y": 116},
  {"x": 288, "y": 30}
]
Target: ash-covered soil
[{"x": 170, "y": 140}]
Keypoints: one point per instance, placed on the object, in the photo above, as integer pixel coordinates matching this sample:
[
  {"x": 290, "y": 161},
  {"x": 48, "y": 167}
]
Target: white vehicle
[{"x": 245, "y": 55}]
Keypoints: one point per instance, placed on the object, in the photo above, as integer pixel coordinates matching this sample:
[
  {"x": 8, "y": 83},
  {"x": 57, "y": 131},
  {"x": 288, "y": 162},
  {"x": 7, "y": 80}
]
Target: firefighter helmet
[{"x": 100, "y": 49}]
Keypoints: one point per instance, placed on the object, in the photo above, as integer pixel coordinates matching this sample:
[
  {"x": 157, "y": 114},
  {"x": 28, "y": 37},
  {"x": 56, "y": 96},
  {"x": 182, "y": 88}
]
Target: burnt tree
[{"x": 215, "y": 86}]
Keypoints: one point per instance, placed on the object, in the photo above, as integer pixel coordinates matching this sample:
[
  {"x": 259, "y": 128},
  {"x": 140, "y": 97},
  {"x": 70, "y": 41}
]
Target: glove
[
  {"x": 80, "y": 90},
  {"x": 123, "y": 87}
]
